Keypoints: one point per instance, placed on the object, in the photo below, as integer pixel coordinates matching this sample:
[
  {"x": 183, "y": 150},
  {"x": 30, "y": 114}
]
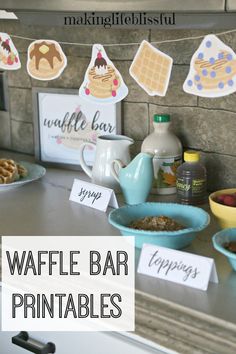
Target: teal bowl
[
  {"x": 222, "y": 237},
  {"x": 195, "y": 220}
]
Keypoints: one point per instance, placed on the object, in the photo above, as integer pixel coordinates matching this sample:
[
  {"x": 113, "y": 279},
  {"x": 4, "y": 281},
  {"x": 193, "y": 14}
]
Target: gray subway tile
[
  {"x": 22, "y": 137},
  {"x": 20, "y": 104},
  {"x": 135, "y": 120},
  {"x": 204, "y": 129}
]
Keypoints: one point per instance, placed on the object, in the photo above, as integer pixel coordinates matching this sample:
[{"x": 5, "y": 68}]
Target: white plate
[{"x": 34, "y": 172}]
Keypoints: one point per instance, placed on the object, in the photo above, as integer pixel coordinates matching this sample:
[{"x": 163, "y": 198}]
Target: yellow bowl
[{"x": 225, "y": 215}]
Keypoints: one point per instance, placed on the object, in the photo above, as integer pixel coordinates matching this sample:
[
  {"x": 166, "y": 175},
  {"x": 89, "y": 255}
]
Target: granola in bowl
[{"x": 156, "y": 223}]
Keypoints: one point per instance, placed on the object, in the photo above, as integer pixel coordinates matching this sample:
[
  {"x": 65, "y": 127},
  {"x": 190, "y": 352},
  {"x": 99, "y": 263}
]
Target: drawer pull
[{"x": 22, "y": 340}]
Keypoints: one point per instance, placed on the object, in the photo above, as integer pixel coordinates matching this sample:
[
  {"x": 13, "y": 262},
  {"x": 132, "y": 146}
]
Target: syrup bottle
[{"x": 191, "y": 180}]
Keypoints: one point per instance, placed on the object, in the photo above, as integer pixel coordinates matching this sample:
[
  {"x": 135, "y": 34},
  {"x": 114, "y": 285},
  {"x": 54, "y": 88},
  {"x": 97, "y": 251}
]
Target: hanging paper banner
[
  {"x": 9, "y": 57},
  {"x": 212, "y": 69},
  {"x": 151, "y": 69},
  {"x": 46, "y": 60},
  {"x": 102, "y": 83}
]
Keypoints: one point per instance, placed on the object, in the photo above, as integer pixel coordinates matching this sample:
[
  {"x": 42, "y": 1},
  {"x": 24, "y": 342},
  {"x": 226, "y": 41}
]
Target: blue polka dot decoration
[
  {"x": 221, "y": 56},
  {"x": 221, "y": 85},
  {"x": 200, "y": 56},
  {"x": 197, "y": 77},
  {"x": 213, "y": 74},
  {"x": 212, "y": 60},
  {"x": 208, "y": 44},
  {"x": 199, "y": 87},
  {"x": 228, "y": 69},
  {"x": 229, "y": 57},
  {"x": 230, "y": 83},
  {"x": 190, "y": 83},
  {"x": 204, "y": 72}
]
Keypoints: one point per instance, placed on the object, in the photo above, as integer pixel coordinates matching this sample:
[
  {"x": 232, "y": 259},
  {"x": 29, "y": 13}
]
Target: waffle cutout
[
  {"x": 9, "y": 57},
  {"x": 212, "y": 69},
  {"x": 46, "y": 60},
  {"x": 102, "y": 83},
  {"x": 151, "y": 69}
]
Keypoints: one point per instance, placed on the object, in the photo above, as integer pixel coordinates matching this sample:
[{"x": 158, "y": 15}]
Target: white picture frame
[{"x": 63, "y": 121}]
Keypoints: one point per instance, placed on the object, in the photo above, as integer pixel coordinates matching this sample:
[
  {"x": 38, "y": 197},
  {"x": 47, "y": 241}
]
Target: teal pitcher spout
[{"x": 136, "y": 178}]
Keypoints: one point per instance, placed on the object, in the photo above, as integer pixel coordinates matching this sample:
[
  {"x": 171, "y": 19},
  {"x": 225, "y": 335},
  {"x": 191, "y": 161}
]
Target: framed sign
[{"x": 63, "y": 121}]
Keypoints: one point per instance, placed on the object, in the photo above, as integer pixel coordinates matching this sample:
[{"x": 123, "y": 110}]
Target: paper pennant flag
[
  {"x": 212, "y": 69},
  {"x": 102, "y": 83},
  {"x": 9, "y": 57},
  {"x": 46, "y": 60},
  {"x": 151, "y": 69}
]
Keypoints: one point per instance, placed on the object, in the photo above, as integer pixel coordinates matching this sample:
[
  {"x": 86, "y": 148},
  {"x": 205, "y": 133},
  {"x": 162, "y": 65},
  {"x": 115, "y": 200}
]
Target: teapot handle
[
  {"x": 120, "y": 165},
  {"x": 86, "y": 169}
]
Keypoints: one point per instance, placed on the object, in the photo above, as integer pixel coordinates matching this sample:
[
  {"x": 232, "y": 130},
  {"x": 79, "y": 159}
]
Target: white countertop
[{"x": 43, "y": 208}]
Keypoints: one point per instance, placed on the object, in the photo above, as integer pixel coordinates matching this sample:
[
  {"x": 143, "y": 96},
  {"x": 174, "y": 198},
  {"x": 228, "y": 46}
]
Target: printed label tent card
[
  {"x": 177, "y": 266},
  {"x": 92, "y": 195}
]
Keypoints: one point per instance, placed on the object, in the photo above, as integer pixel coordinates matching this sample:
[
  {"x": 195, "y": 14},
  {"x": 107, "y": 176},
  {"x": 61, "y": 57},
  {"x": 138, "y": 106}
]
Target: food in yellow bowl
[{"x": 223, "y": 207}]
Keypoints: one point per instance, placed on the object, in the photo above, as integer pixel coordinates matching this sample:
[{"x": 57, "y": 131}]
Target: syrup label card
[
  {"x": 93, "y": 196},
  {"x": 179, "y": 267}
]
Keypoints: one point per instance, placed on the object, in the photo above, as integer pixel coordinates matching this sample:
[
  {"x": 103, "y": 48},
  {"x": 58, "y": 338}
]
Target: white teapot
[{"x": 108, "y": 149}]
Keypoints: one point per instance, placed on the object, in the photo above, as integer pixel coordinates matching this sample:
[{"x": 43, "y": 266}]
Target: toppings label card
[
  {"x": 177, "y": 266},
  {"x": 46, "y": 60},
  {"x": 151, "y": 69},
  {"x": 9, "y": 57},
  {"x": 212, "y": 69},
  {"x": 102, "y": 83}
]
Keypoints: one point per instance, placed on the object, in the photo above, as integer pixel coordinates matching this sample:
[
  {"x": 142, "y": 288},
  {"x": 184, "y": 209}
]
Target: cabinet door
[
  {"x": 80, "y": 343},
  {"x": 6, "y": 346}
]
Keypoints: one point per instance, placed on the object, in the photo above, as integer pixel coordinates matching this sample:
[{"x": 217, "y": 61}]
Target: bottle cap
[
  {"x": 161, "y": 118},
  {"x": 191, "y": 156}
]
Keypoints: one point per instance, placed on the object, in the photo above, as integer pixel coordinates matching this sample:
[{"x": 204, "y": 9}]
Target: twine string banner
[
  {"x": 218, "y": 79},
  {"x": 131, "y": 43}
]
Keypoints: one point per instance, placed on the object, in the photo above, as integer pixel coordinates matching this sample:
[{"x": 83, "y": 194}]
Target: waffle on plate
[{"x": 11, "y": 171}]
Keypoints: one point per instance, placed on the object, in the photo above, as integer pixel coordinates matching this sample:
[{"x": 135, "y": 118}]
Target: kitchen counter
[{"x": 176, "y": 317}]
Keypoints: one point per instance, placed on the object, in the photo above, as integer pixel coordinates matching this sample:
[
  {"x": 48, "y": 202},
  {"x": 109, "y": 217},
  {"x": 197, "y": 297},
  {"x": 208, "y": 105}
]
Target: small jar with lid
[
  {"x": 167, "y": 151},
  {"x": 191, "y": 180}
]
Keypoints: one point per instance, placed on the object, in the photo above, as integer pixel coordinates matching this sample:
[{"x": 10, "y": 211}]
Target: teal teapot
[{"x": 135, "y": 179}]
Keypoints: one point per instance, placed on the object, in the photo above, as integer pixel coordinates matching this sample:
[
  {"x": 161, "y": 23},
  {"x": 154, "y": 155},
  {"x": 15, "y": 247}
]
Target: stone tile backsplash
[{"x": 208, "y": 125}]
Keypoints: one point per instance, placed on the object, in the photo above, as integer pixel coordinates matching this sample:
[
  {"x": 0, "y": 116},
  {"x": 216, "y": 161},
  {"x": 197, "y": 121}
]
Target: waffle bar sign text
[{"x": 68, "y": 283}]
